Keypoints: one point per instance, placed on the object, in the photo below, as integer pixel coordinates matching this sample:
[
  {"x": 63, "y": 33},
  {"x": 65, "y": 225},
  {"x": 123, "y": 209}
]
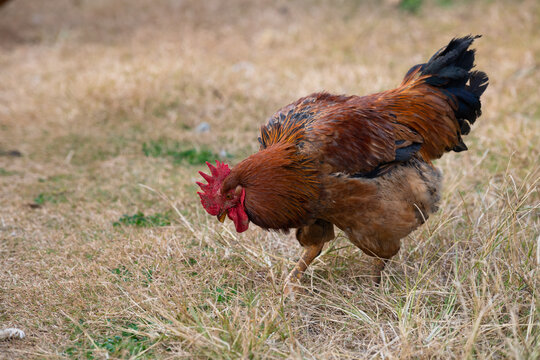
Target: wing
[
  {"x": 345, "y": 133},
  {"x": 358, "y": 138}
]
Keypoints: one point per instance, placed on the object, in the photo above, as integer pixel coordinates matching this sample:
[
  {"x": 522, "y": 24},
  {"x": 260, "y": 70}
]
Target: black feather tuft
[
  {"x": 450, "y": 70},
  {"x": 465, "y": 127},
  {"x": 478, "y": 82},
  {"x": 460, "y": 147}
]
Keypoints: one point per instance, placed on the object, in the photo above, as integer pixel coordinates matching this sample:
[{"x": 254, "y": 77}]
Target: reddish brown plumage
[
  {"x": 268, "y": 177},
  {"x": 362, "y": 163}
]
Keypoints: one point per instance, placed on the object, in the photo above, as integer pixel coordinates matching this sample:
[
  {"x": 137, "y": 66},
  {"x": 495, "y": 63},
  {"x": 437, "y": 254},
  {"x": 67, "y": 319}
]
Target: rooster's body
[{"x": 362, "y": 164}]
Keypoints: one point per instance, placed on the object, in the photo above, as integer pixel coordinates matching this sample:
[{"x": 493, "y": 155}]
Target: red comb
[{"x": 210, "y": 192}]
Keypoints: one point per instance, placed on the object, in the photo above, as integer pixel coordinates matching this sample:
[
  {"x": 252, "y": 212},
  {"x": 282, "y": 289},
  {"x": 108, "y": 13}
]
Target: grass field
[{"x": 105, "y": 251}]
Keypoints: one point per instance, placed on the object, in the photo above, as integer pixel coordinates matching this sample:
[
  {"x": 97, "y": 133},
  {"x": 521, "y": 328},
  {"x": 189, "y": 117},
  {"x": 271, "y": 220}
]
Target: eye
[{"x": 229, "y": 196}]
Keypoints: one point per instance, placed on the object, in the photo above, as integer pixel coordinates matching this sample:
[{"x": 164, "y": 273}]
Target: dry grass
[{"x": 83, "y": 84}]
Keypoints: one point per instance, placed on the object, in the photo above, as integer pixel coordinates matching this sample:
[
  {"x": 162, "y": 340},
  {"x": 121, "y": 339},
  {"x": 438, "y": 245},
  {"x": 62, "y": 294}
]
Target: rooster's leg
[
  {"x": 379, "y": 265},
  {"x": 310, "y": 253},
  {"x": 312, "y": 239}
]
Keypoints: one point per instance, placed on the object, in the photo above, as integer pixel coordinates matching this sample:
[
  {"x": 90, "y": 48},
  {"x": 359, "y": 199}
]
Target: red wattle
[{"x": 238, "y": 215}]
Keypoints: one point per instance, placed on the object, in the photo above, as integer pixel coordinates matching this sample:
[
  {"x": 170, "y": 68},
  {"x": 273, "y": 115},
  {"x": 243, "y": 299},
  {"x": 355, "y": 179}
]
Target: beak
[{"x": 222, "y": 215}]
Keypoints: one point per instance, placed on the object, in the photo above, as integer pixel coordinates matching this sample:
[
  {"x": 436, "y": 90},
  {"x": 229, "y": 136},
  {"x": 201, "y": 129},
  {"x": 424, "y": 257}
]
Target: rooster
[{"x": 363, "y": 164}]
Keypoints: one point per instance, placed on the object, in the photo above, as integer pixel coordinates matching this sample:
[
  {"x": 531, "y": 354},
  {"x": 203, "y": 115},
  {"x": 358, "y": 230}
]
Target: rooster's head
[{"x": 221, "y": 202}]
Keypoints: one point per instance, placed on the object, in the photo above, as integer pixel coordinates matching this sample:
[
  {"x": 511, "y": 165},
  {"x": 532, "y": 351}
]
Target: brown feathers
[{"x": 282, "y": 186}]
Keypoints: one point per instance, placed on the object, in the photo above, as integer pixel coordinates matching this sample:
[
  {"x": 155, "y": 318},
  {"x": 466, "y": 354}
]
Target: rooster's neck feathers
[{"x": 282, "y": 186}]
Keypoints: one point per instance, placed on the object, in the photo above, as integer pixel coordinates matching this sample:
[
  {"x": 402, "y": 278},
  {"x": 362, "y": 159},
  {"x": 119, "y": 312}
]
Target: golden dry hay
[{"x": 83, "y": 84}]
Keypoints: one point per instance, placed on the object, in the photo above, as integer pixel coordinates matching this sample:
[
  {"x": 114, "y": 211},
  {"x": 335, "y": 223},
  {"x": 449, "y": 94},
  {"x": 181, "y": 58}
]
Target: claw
[
  {"x": 290, "y": 291},
  {"x": 292, "y": 288}
]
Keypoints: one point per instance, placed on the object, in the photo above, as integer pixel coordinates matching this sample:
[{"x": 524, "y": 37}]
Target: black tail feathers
[{"x": 450, "y": 70}]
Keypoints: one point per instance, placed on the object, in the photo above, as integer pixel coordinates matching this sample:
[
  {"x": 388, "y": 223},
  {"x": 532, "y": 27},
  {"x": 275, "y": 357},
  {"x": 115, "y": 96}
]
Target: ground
[{"x": 106, "y": 252}]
